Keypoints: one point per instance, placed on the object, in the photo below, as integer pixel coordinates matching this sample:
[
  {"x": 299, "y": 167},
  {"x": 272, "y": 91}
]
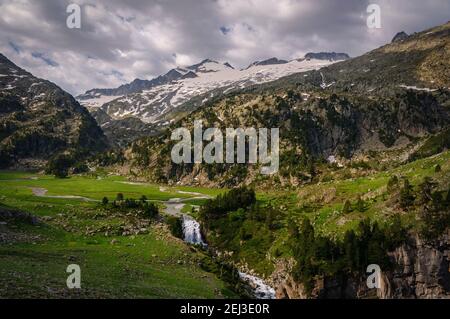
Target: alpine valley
[{"x": 364, "y": 179}]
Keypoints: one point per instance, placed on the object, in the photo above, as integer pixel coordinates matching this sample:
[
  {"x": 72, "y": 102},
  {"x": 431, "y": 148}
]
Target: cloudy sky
[{"x": 123, "y": 40}]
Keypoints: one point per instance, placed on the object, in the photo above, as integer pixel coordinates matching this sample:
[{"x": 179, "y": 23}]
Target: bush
[
  {"x": 392, "y": 184},
  {"x": 347, "y": 207},
  {"x": 406, "y": 195},
  {"x": 150, "y": 210},
  {"x": 59, "y": 166},
  {"x": 175, "y": 226},
  {"x": 80, "y": 168}
]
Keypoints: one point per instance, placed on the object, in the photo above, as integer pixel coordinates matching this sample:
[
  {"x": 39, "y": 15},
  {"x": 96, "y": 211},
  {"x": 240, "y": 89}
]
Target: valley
[
  {"x": 125, "y": 255},
  {"x": 362, "y": 177}
]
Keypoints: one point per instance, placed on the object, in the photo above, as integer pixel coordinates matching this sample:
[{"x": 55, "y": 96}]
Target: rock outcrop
[{"x": 420, "y": 270}]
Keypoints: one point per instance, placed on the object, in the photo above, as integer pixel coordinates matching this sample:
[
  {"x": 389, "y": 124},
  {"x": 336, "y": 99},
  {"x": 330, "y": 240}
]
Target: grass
[{"x": 153, "y": 264}]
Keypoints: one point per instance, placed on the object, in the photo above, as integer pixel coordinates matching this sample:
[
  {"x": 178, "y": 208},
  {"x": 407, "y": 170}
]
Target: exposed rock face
[
  {"x": 270, "y": 61},
  {"x": 421, "y": 270},
  {"x": 330, "y": 56},
  {"x": 39, "y": 120},
  {"x": 400, "y": 36}
]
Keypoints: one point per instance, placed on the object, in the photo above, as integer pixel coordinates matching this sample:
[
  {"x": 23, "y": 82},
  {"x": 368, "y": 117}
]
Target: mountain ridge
[
  {"x": 158, "y": 104},
  {"x": 39, "y": 120}
]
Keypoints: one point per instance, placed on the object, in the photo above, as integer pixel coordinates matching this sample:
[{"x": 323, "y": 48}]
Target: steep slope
[
  {"x": 38, "y": 120},
  {"x": 157, "y": 102},
  {"x": 377, "y": 108}
]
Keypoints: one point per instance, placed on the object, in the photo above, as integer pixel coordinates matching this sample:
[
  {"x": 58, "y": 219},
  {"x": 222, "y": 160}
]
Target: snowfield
[{"x": 151, "y": 104}]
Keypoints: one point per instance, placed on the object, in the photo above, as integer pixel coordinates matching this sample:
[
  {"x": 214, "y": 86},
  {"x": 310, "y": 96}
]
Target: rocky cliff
[{"x": 420, "y": 270}]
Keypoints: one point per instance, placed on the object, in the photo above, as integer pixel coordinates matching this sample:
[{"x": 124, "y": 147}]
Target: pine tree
[
  {"x": 119, "y": 197},
  {"x": 425, "y": 190},
  {"x": 406, "y": 195},
  {"x": 347, "y": 207},
  {"x": 392, "y": 184},
  {"x": 361, "y": 205}
]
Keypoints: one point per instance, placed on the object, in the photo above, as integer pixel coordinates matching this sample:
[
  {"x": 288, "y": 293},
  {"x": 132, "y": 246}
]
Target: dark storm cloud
[{"x": 122, "y": 40}]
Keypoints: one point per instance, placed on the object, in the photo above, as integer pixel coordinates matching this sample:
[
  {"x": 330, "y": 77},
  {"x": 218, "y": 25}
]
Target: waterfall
[
  {"x": 191, "y": 231},
  {"x": 261, "y": 290},
  {"x": 192, "y": 235}
]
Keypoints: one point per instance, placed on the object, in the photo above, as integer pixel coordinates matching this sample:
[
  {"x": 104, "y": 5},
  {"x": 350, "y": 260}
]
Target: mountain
[
  {"x": 270, "y": 61},
  {"x": 384, "y": 107},
  {"x": 158, "y": 102},
  {"x": 400, "y": 36},
  {"x": 38, "y": 120},
  {"x": 96, "y": 97},
  {"x": 330, "y": 56}
]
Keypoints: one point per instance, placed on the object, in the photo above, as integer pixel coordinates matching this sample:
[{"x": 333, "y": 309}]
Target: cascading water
[
  {"x": 193, "y": 235},
  {"x": 191, "y": 231},
  {"x": 261, "y": 290}
]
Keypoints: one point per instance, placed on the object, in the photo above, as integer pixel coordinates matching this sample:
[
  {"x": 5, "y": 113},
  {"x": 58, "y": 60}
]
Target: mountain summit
[{"x": 400, "y": 36}]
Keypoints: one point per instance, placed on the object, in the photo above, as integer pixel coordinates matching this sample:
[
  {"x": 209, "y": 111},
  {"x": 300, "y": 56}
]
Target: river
[{"x": 192, "y": 235}]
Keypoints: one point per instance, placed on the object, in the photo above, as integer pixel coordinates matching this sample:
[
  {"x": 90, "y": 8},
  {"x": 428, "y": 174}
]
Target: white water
[
  {"x": 191, "y": 231},
  {"x": 260, "y": 288},
  {"x": 193, "y": 235}
]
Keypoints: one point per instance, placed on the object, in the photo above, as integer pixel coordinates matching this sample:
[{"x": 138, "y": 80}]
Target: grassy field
[
  {"x": 154, "y": 264},
  {"x": 150, "y": 264}
]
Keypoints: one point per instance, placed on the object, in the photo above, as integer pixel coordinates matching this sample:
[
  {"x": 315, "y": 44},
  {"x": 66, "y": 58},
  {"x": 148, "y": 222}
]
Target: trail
[{"x": 41, "y": 192}]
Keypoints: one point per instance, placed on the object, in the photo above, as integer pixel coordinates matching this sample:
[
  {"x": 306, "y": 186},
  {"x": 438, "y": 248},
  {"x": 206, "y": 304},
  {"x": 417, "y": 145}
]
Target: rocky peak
[
  {"x": 328, "y": 56},
  {"x": 270, "y": 61},
  {"x": 400, "y": 36}
]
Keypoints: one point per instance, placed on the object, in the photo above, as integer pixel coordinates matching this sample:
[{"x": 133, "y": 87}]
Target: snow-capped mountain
[
  {"x": 148, "y": 100},
  {"x": 152, "y": 101}
]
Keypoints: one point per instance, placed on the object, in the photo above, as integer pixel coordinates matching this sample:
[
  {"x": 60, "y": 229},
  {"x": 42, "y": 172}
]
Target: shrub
[
  {"x": 347, "y": 207},
  {"x": 406, "y": 195},
  {"x": 175, "y": 226},
  {"x": 59, "y": 166},
  {"x": 150, "y": 210}
]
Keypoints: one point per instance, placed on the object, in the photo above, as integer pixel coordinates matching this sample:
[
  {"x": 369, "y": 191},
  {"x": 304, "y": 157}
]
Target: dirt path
[{"x": 41, "y": 192}]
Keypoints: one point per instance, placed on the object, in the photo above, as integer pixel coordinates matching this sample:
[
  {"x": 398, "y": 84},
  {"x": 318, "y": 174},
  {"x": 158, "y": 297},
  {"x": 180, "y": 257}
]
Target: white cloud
[{"x": 122, "y": 40}]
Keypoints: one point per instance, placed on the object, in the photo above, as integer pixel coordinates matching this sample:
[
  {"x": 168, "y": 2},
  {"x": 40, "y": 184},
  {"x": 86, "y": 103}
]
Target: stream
[{"x": 192, "y": 235}]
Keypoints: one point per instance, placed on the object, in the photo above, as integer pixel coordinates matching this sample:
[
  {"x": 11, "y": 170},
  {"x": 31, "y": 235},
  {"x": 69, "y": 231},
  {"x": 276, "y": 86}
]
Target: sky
[{"x": 122, "y": 40}]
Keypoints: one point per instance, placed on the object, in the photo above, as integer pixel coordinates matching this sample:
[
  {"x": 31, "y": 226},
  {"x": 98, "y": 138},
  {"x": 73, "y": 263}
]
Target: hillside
[
  {"x": 375, "y": 110},
  {"x": 38, "y": 120}
]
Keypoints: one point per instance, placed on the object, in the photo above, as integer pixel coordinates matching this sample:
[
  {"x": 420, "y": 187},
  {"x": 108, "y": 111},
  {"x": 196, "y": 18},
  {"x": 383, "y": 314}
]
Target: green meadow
[{"x": 152, "y": 264}]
